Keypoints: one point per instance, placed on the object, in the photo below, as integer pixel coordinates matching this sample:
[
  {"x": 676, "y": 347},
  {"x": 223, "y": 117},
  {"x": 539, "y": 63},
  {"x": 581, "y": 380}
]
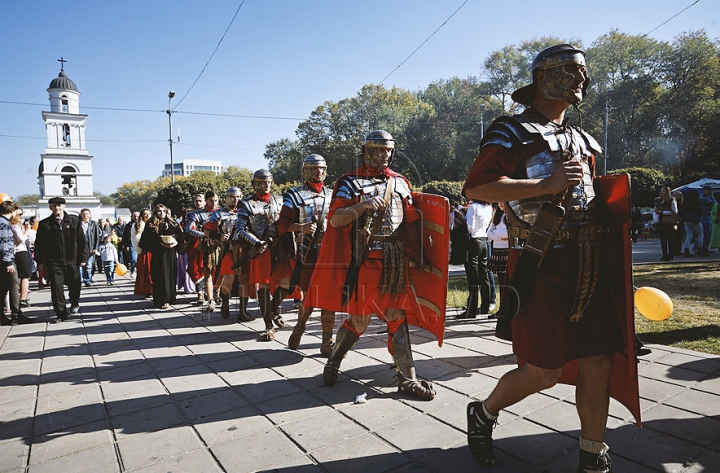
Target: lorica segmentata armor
[{"x": 563, "y": 143}]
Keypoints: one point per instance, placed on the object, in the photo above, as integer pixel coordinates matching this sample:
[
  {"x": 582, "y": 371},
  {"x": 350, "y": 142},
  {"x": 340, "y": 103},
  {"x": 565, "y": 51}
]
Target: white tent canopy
[{"x": 698, "y": 185}]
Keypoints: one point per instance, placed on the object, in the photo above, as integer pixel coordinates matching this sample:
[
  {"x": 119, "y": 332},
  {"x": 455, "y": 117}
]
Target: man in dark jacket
[
  {"x": 61, "y": 249},
  {"x": 92, "y": 233}
]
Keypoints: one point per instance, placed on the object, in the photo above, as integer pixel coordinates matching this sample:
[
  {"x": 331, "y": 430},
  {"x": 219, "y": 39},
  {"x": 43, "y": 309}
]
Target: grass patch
[{"x": 694, "y": 290}]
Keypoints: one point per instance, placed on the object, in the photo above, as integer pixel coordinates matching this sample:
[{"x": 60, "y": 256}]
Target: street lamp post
[
  {"x": 171, "y": 94},
  {"x": 605, "y": 144},
  {"x": 482, "y": 125}
]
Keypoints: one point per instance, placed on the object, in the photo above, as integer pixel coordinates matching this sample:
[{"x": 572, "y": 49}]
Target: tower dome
[{"x": 63, "y": 82}]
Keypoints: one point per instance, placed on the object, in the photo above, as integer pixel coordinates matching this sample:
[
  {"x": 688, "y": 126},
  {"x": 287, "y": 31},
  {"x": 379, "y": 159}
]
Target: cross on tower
[{"x": 62, "y": 63}]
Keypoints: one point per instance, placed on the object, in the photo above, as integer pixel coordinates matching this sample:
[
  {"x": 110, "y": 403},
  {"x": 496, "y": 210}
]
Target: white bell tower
[{"x": 66, "y": 167}]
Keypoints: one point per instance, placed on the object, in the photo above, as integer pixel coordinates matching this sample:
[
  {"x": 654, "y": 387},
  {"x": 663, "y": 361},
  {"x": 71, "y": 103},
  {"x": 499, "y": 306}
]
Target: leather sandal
[
  {"x": 279, "y": 321},
  {"x": 422, "y": 390},
  {"x": 294, "y": 341},
  {"x": 327, "y": 347},
  {"x": 268, "y": 335}
]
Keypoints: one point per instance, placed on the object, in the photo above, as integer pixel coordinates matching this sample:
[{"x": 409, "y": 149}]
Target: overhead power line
[
  {"x": 211, "y": 56},
  {"x": 144, "y": 110},
  {"x": 423, "y": 43},
  {"x": 668, "y": 20}
]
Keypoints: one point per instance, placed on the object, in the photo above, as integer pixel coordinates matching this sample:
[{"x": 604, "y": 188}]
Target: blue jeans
[
  {"x": 707, "y": 228},
  {"x": 130, "y": 259},
  {"x": 689, "y": 228},
  {"x": 86, "y": 271},
  {"x": 109, "y": 268}
]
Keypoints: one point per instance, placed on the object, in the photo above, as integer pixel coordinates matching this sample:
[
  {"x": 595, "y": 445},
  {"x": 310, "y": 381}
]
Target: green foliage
[
  {"x": 644, "y": 184},
  {"x": 27, "y": 199},
  {"x": 179, "y": 197},
  {"x": 105, "y": 199},
  {"x": 138, "y": 195},
  {"x": 450, "y": 189}
]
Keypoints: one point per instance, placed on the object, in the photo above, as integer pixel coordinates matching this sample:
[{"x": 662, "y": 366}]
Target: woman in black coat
[{"x": 161, "y": 236}]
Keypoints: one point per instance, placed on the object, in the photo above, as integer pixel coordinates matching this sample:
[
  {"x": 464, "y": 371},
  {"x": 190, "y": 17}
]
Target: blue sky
[{"x": 280, "y": 58}]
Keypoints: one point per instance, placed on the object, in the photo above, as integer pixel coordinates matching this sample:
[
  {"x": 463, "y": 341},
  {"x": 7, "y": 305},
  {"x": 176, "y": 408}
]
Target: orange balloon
[
  {"x": 653, "y": 303},
  {"x": 120, "y": 269}
]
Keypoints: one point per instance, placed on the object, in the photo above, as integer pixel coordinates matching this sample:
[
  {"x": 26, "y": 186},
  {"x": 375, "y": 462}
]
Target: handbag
[{"x": 670, "y": 220}]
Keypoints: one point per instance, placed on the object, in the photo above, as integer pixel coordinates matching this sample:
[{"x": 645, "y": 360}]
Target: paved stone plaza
[{"x": 126, "y": 387}]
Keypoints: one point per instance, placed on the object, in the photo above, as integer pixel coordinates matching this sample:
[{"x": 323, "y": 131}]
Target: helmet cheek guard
[
  {"x": 261, "y": 175},
  {"x": 312, "y": 162},
  {"x": 376, "y": 140}
]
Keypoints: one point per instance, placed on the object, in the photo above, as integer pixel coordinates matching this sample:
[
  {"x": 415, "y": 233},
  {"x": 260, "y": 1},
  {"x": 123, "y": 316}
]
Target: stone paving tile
[
  {"x": 96, "y": 460},
  {"x": 530, "y": 442},
  {"x": 560, "y": 416},
  {"x": 193, "y": 462},
  {"x": 82, "y": 378},
  {"x": 657, "y": 390},
  {"x": 236, "y": 363},
  {"x": 469, "y": 383},
  {"x": 379, "y": 412},
  {"x": 192, "y": 381},
  {"x": 201, "y": 407},
  {"x": 292, "y": 407},
  {"x": 652, "y": 448},
  {"x": 146, "y": 449},
  {"x": 73, "y": 418},
  {"x": 148, "y": 420},
  {"x": 711, "y": 384},
  {"x": 58, "y": 444},
  {"x": 670, "y": 374},
  {"x": 459, "y": 459},
  {"x": 325, "y": 428},
  {"x": 704, "y": 462},
  {"x": 230, "y": 425},
  {"x": 124, "y": 371},
  {"x": 265, "y": 385},
  {"x": 361, "y": 454},
  {"x": 256, "y": 452},
  {"x": 301, "y": 464},
  {"x": 73, "y": 373},
  {"x": 428, "y": 435},
  {"x": 136, "y": 401},
  {"x": 691, "y": 362},
  {"x": 78, "y": 396},
  {"x": 682, "y": 424},
  {"x": 10, "y": 368},
  {"x": 13, "y": 454},
  {"x": 113, "y": 390},
  {"x": 700, "y": 402},
  {"x": 16, "y": 393}
]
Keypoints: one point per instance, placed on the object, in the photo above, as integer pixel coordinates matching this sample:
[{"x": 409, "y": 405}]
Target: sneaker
[
  {"x": 87, "y": 284},
  {"x": 24, "y": 303},
  {"x": 492, "y": 306},
  {"x": 479, "y": 434},
  {"x": 594, "y": 463},
  {"x": 75, "y": 309}
]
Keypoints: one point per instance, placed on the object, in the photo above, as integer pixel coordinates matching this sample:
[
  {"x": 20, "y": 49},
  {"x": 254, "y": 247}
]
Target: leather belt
[{"x": 560, "y": 235}]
